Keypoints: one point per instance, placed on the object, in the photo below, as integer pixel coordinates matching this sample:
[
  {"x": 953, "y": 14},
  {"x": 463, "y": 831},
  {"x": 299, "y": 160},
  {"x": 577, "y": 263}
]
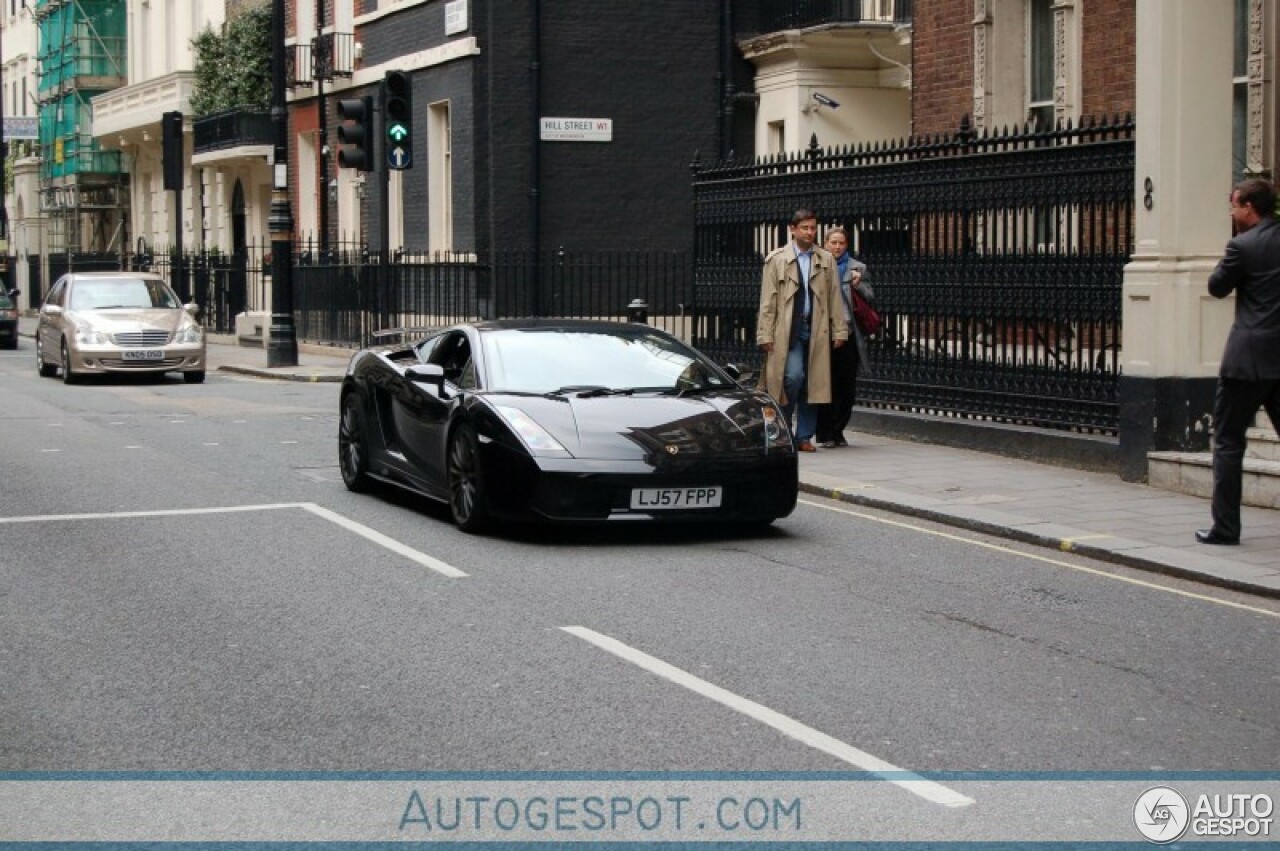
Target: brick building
[
  {"x": 1005, "y": 63},
  {"x": 664, "y": 82}
]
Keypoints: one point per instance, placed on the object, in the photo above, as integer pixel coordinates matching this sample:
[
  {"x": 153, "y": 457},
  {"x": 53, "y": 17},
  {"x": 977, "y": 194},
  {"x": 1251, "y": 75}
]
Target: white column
[{"x": 1172, "y": 327}]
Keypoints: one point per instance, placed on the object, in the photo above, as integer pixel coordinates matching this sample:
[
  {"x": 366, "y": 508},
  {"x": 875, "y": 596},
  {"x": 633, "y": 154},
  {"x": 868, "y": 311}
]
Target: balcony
[
  {"x": 776, "y": 15},
  {"x": 125, "y": 114},
  {"x": 233, "y": 134},
  {"x": 324, "y": 57}
]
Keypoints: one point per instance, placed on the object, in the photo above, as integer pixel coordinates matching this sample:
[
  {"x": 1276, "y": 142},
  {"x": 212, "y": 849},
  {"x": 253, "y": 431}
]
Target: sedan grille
[
  {"x": 117, "y": 363},
  {"x": 140, "y": 338}
]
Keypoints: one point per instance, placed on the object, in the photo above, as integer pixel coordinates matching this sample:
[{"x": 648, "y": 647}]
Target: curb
[
  {"x": 280, "y": 376},
  {"x": 1066, "y": 545}
]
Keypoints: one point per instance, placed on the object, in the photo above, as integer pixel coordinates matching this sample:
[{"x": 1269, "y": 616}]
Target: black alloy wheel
[
  {"x": 353, "y": 446},
  {"x": 467, "y": 498}
]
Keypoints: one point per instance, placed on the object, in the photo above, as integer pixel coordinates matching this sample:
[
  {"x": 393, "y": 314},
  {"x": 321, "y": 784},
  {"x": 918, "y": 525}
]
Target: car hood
[
  {"x": 660, "y": 429},
  {"x": 118, "y": 321}
]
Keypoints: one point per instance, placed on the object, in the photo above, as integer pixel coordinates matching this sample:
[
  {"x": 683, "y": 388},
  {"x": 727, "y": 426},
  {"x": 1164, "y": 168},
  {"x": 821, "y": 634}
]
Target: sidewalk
[{"x": 1094, "y": 514}]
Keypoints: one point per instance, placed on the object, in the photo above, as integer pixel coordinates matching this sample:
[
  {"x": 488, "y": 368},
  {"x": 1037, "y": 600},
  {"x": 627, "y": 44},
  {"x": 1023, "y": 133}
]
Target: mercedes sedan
[
  {"x": 564, "y": 420},
  {"x": 94, "y": 323}
]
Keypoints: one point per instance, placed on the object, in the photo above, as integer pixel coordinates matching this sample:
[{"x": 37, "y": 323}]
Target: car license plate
[
  {"x": 661, "y": 499},
  {"x": 142, "y": 354}
]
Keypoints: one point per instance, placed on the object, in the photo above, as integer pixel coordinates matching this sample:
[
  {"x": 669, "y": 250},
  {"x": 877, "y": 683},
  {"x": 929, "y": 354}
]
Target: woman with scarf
[{"x": 847, "y": 362}]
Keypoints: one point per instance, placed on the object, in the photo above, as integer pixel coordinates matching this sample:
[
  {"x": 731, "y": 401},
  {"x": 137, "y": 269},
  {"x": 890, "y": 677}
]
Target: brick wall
[
  {"x": 942, "y": 64},
  {"x": 1108, "y": 75}
]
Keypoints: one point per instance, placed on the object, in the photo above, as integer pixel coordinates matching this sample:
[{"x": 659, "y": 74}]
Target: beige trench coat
[{"x": 779, "y": 286}]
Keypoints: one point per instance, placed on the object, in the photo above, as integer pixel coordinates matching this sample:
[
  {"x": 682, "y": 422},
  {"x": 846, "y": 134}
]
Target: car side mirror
[
  {"x": 427, "y": 373},
  {"x": 192, "y": 308},
  {"x": 14, "y": 293},
  {"x": 742, "y": 376}
]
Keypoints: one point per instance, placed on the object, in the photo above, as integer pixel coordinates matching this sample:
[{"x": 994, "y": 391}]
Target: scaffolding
[{"x": 83, "y": 189}]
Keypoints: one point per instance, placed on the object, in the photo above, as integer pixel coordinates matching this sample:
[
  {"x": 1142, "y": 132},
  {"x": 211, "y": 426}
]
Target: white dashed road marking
[
  {"x": 929, "y": 790},
  {"x": 332, "y": 516}
]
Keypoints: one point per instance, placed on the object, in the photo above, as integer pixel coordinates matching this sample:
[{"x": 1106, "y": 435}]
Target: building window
[
  {"x": 1240, "y": 92},
  {"x": 1040, "y": 64},
  {"x": 440, "y": 177}
]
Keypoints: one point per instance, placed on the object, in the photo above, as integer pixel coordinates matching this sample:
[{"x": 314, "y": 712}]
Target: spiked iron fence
[{"x": 996, "y": 258}]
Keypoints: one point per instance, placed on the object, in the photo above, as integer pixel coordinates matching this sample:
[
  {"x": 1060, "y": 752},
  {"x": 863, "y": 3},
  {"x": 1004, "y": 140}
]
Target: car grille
[
  {"x": 116, "y": 363},
  {"x": 140, "y": 338}
]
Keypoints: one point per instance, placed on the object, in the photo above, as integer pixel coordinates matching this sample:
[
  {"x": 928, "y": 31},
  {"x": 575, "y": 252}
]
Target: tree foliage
[{"x": 233, "y": 67}]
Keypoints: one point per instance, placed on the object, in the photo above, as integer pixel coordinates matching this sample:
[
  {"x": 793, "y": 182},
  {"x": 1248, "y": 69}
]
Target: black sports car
[{"x": 566, "y": 420}]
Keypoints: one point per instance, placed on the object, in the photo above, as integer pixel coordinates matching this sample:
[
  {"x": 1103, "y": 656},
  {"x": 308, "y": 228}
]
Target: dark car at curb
[
  {"x": 572, "y": 421},
  {"x": 9, "y": 319}
]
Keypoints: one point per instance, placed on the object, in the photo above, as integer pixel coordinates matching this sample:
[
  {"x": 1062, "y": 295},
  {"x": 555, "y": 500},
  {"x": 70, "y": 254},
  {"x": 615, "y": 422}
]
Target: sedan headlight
[
  {"x": 537, "y": 438},
  {"x": 87, "y": 335},
  {"x": 188, "y": 332}
]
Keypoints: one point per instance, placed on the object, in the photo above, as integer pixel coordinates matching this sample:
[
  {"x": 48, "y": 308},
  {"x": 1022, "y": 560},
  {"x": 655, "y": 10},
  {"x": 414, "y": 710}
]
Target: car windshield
[
  {"x": 549, "y": 360},
  {"x": 133, "y": 293},
  {"x": 4, "y": 301}
]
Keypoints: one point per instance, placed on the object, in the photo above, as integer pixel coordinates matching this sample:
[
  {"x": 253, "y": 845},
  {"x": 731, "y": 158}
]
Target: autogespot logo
[{"x": 1161, "y": 814}]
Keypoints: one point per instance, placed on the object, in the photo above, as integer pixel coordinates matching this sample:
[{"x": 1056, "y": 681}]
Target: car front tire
[
  {"x": 68, "y": 375},
  {"x": 467, "y": 493},
  {"x": 195, "y": 377},
  {"x": 353, "y": 446},
  {"x": 46, "y": 369}
]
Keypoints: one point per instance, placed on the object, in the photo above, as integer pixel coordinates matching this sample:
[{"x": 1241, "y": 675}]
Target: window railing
[{"x": 324, "y": 57}]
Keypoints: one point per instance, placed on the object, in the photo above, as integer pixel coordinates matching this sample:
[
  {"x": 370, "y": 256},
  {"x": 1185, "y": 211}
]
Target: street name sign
[{"x": 576, "y": 129}]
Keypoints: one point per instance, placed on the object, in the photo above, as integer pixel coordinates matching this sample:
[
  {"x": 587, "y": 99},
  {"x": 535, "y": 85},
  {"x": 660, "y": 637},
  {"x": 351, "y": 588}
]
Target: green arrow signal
[{"x": 397, "y": 132}]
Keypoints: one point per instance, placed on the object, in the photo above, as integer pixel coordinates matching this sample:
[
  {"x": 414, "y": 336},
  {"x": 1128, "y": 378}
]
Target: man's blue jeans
[{"x": 794, "y": 385}]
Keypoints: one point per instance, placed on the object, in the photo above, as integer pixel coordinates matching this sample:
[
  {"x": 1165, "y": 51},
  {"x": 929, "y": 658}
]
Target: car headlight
[
  {"x": 775, "y": 427},
  {"x": 188, "y": 332},
  {"x": 537, "y": 438},
  {"x": 87, "y": 335}
]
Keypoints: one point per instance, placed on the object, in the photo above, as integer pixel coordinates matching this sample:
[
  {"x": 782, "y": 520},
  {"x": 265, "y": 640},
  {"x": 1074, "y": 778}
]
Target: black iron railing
[
  {"x": 997, "y": 260},
  {"x": 231, "y": 129},
  {"x": 798, "y": 14}
]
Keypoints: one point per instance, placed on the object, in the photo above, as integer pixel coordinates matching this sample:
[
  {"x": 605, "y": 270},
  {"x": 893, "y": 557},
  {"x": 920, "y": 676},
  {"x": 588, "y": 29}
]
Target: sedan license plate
[
  {"x": 662, "y": 499},
  {"x": 142, "y": 354}
]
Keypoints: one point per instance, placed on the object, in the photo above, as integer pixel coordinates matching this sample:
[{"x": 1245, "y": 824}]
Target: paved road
[{"x": 188, "y": 586}]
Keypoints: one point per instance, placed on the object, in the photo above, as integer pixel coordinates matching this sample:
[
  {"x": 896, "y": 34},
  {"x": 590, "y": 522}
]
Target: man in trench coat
[{"x": 798, "y": 325}]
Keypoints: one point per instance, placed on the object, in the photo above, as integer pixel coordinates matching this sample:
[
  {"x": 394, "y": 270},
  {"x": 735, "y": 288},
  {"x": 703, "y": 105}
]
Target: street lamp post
[{"x": 282, "y": 342}]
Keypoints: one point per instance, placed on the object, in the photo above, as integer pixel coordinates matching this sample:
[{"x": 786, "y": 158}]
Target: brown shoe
[{"x": 806, "y": 446}]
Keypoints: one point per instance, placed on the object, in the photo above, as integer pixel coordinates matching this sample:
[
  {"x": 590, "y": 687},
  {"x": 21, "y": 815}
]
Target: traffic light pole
[
  {"x": 384, "y": 181},
  {"x": 282, "y": 342}
]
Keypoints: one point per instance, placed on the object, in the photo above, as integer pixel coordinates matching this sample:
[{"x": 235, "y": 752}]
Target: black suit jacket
[{"x": 1251, "y": 267}]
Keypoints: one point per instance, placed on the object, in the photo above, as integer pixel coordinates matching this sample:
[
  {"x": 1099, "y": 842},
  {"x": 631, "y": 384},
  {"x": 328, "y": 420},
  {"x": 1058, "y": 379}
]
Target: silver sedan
[{"x": 103, "y": 322}]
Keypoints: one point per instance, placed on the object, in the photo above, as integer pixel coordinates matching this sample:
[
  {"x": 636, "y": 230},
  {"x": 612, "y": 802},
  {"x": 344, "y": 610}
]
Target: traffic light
[
  {"x": 355, "y": 133},
  {"x": 397, "y": 103},
  {"x": 171, "y": 149}
]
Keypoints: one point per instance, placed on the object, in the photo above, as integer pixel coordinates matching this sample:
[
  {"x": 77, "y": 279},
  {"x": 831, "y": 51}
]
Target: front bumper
[
  {"x": 582, "y": 491},
  {"x": 185, "y": 357}
]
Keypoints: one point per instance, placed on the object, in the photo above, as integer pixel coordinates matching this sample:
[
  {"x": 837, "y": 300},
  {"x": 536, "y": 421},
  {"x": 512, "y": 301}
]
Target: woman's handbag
[{"x": 864, "y": 314}]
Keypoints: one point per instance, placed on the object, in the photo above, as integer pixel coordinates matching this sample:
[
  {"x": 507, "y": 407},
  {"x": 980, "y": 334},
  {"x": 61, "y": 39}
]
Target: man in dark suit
[{"x": 1249, "y": 377}]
